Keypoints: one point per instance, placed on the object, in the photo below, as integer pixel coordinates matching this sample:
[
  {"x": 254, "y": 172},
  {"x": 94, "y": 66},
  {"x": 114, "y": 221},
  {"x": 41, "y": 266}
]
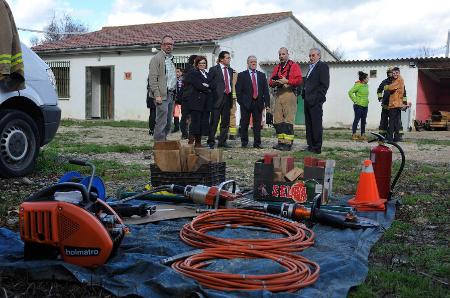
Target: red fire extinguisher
[{"x": 381, "y": 157}]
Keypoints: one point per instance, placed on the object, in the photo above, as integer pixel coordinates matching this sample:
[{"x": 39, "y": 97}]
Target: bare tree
[
  {"x": 58, "y": 26},
  {"x": 338, "y": 53},
  {"x": 34, "y": 40},
  {"x": 425, "y": 51}
]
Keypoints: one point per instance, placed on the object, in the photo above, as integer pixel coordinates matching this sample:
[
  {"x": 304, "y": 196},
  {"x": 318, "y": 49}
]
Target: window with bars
[
  {"x": 61, "y": 70},
  {"x": 181, "y": 61}
]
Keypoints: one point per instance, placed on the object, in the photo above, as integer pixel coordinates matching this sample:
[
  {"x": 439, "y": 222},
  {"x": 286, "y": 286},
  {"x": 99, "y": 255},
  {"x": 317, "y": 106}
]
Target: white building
[
  {"x": 427, "y": 82},
  {"x": 103, "y": 74}
]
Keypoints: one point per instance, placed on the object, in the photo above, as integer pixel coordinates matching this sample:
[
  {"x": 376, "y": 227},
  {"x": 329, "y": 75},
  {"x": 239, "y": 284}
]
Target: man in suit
[
  {"x": 220, "y": 77},
  {"x": 314, "y": 92},
  {"x": 252, "y": 92}
]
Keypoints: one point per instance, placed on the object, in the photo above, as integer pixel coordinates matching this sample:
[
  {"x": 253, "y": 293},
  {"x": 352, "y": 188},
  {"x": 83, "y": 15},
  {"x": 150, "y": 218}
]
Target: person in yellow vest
[
  {"x": 233, "y": 129},
  {"x": 11, "y": 63},
  {"x": 396, "y": 89}
]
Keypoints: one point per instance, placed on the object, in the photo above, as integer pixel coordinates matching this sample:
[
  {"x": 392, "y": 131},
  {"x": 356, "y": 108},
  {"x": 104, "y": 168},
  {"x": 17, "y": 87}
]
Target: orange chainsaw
[{"x": 67, "y": 220}]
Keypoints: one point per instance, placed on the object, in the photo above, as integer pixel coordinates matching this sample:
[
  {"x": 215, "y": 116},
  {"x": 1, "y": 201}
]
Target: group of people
[
  {"x": 392, "y": 95},
  {"x": 208, "y": 98}
]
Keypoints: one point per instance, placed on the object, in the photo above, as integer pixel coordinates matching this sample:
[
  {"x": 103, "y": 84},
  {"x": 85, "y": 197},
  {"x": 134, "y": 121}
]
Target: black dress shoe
[
  {"x": 316, "y": 151},
  {"x": 258, "y": 147},
  {"x": 231, "y": 137},
  {"x": 278, "y": 146},
  {"x": 224, "y": 145},
  {"x": 286, "y": 147},
  {"x": 244, "y": 145}
]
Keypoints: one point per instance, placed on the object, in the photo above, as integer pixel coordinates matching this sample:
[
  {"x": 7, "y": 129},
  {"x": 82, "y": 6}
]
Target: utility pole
[{"x": 448, "y": 44}]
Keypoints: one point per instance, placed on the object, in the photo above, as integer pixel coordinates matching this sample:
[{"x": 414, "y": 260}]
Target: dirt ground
[{"x": 104, "y": 135}]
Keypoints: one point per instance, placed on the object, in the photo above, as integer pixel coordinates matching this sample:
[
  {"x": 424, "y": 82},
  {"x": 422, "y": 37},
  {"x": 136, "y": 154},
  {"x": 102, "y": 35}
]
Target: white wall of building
[
  {"x": 264, "y": 43},
  {"x": 338, "y": 109},
  {"x": 129, "y": 95}
]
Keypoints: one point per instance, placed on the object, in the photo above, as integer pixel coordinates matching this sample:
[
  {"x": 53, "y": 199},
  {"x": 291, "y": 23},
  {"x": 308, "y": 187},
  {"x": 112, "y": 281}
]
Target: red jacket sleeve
[
  {"x": 274, "y": 72},
  {"x": 295, "y": 77}
]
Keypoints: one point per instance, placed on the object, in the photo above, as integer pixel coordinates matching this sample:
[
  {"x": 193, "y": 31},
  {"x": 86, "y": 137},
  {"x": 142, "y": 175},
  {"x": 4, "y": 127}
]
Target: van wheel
[{"x": 19, "y": 143}]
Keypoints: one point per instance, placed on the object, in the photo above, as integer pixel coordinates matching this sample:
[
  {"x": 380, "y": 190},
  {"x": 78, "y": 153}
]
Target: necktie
[
  {"x": 227, "y": 80},
  {"x": 255, "y": 88}
]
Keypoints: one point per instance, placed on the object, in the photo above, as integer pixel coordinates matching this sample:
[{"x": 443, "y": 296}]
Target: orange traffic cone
[{"x": 367, "y": 197}]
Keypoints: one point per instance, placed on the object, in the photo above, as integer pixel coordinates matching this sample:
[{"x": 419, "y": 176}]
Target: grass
[
  {"x": 51, "y": 163},
  {"x": 412, "y": 259},
  {"x": 95, "y": 123},
  {"x": 433, "y": 142}
]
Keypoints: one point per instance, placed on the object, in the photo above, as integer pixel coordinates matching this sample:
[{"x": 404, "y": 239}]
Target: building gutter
[{"x": 120, "y": 49}]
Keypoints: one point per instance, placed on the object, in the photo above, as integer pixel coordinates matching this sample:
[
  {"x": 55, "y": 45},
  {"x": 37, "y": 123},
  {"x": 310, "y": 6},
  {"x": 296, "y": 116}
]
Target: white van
[{"x": 29, "y": 118}]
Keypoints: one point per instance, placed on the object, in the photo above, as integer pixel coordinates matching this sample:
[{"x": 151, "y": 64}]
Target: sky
[{"x": 363, "y": 29}]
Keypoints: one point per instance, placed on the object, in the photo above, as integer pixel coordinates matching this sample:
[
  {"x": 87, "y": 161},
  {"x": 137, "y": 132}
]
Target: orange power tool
[{"x": 69, "y": 221}]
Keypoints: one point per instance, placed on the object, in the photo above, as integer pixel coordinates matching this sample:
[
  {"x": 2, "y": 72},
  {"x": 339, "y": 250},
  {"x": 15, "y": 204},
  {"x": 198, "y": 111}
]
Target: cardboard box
[
  {"x": 184, "y": 153},
  {"x": 266, "y": 188},
  {"x": 213, "y": 155},
  {"x": 287, "y": 164},
  {"x": 323, "y": 175},
  {"x": 167, "y": 145},
  {"x": 168, "y": 160},
  {"x": 294, "y": 174}
]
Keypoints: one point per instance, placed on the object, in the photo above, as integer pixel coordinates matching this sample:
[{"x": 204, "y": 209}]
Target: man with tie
[
  {"x": 314, "y": 92},
  {"x": 252, "y": 94},
  {"x": 220, "y": 77},
  {"x": 285, "y": 79}
]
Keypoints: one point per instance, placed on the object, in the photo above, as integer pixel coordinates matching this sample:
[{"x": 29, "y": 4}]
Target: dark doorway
[{"x": 100, "y": 93}]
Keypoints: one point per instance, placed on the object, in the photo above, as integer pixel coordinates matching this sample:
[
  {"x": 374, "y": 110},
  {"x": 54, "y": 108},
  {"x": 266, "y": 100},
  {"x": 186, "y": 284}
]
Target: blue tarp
[{"x": 136, "y": 269}]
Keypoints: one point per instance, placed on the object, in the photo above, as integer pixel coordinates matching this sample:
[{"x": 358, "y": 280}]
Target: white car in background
[{"x": 29, "y": 118}]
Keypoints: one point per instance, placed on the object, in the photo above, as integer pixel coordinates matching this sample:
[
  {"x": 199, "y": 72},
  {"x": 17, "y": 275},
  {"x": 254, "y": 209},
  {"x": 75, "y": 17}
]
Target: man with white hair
[
  {"x": 252, "y": 94},
  {"x": 314, "y": 91}
]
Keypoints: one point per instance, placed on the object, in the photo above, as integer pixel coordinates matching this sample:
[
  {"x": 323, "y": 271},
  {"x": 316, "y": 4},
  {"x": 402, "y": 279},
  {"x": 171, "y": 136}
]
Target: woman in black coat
[{"x": 200, "y": 101}]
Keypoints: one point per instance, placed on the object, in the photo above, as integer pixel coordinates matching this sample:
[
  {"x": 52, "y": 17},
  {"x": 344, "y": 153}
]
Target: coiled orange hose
[
  {"x": 298, "y": 237},
  {"x": 300, "y": 273}
]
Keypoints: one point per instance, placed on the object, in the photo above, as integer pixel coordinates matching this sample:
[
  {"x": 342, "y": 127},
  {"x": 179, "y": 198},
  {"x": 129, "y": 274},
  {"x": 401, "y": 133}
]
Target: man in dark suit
[
  {"x": 314, "y": 92},
  {"x": 220, "y": 77},
  {"x": 252, "y": 93}
]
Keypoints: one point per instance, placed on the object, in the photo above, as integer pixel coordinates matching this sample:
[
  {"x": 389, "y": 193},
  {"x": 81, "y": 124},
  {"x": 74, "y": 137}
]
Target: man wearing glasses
[
  {"x": 162, "y": 84},
  {"x": 314, "y": 90}
]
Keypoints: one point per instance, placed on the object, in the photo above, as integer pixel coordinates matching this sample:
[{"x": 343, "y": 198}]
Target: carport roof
[{"x": 419, "y": 61}]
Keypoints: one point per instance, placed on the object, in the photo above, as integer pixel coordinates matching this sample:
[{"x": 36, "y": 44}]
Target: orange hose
[
  {"x": 300, "y": 271},
  {"x": 298, "y": 237}
]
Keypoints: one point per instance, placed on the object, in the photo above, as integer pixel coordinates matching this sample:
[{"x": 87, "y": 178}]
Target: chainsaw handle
[{"x": 48, "y": 192}]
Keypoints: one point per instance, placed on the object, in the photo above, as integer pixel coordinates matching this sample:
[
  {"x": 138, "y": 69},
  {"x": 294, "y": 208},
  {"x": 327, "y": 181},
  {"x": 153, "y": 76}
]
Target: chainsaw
[{"x": 68, "y": 221}]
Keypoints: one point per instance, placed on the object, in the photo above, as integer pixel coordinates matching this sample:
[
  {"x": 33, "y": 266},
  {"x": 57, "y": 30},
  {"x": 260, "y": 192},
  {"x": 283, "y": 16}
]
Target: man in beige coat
[{"x": 162, "y": 84}]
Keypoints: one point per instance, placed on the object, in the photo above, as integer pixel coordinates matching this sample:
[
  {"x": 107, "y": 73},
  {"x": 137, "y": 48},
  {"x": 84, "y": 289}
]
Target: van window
[{"x": 61, "y": 70}]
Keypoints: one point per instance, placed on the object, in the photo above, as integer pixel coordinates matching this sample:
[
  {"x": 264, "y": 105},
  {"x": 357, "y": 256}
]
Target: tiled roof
[{"x": 205, "y": 30}]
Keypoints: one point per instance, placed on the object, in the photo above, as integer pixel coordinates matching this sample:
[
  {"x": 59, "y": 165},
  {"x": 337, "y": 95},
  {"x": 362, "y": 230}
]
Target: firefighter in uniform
[
  {"x": 383, "y": 97},
  {"x": 233, "y": 129},
  {"x": 285, "y": 78},
  {"x": 11, "y": 63}
]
